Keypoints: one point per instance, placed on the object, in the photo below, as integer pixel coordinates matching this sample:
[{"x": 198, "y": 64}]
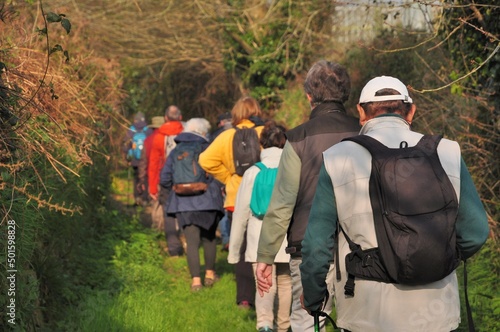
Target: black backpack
[
  {"x": 414, "y": 209},
  {"x": 246, "y": 149},
  {"x": 188, "y": 177}
]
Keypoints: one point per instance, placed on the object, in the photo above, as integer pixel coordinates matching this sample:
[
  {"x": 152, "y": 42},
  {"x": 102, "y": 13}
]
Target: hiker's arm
[
  {"x": 264, "y": 274},
  {"x": 318, "y": 243},
  {"x": 216, "y": 156},
  {"x": 166, "y": 178},
  {"x": 278, "y": 216},
  {"x": 154, "y": 165},
  {"x": 472, "y": 222}
]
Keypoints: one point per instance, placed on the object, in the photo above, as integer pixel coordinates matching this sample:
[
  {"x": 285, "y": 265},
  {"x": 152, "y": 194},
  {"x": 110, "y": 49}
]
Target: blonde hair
[{"x": 245, "y": 108}]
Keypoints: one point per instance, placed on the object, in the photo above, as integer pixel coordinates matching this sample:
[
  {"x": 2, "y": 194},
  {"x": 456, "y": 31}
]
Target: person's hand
[
  {"x": 264, "y": 273},
  {"x": 154, "y": 197},
  {"x": 302, "y": 304}
]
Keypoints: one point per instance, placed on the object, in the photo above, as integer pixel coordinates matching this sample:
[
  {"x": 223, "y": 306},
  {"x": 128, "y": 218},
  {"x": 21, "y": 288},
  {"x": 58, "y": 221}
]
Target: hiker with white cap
[{"x": 350, "y": 200}]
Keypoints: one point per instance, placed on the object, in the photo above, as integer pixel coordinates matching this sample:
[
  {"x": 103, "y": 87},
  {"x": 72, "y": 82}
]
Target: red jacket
[
  {"x": 157, "y": 153},
  {"x": 143, "y": 162}
]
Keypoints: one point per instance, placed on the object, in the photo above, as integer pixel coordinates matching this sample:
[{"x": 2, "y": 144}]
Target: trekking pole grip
[{"x": 316, "y": 321}]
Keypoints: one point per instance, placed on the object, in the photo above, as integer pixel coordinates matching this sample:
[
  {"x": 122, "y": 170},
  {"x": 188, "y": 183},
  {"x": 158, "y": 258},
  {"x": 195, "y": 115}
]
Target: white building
[{"x": 362, "y": 20}]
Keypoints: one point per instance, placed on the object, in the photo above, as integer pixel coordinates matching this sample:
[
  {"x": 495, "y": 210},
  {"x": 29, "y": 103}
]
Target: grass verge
[{"x": 141, "y": 288}]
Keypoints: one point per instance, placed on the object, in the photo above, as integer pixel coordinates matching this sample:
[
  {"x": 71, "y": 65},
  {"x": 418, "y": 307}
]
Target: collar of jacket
[
  {"x": 384, "y": 122},
  {"x": 171, "y": 128},
  {"x": 188, "y": 136},
  {"x": 246, "y": 123},
  {"x": 327, "y": 107}
]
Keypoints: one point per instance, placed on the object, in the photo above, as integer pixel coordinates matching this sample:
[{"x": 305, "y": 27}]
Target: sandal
[
  {"x": 209, "y": 282},
  {"x": 196, "y": 288}
]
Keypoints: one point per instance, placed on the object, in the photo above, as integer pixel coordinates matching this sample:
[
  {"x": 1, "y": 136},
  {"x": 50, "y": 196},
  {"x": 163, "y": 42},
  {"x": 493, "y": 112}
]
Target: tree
[
  {"x": 472, "y": 34},
  {"x": 252, "y": 46}
]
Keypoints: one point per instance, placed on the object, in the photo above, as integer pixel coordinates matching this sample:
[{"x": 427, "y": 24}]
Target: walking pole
[
  {"x": 316, "y": 321},
  {"x": 128, "y": 185}
]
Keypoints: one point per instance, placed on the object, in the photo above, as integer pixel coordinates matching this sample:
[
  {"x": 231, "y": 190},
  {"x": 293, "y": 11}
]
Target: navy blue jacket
[{"x": 211, "y": 200}]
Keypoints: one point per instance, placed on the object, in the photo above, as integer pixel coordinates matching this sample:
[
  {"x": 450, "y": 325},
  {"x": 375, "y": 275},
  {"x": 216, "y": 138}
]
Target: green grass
[
  {"x": 142, "y": 289},
  {"x": 124, "y": 281}
]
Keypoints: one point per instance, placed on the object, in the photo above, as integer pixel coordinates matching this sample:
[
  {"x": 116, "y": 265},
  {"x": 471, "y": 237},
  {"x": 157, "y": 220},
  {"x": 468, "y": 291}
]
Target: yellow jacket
[{"x": 217, "y": 160}]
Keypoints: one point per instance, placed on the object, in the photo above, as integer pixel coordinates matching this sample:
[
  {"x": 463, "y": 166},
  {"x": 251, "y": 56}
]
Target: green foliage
[
  {"x": 65, "y": 23},
  {"x": 473, "y": 44},
  {"x": 195, "y": 91},
  {"x": 472, "y": 38},
  {"x": 268, "y": 55},
  {"x": 26, "y": 283},
  {"x": 294, "y": 109},
  {"x": 483, "y": 288},
  {"x": 378, "y": 59}
]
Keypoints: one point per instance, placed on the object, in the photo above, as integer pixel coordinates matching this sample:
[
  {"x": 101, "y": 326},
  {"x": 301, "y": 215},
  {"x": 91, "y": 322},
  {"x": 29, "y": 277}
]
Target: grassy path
[
  {"x": 129, "y": 284},
  {"x": 134, "y": 286}
]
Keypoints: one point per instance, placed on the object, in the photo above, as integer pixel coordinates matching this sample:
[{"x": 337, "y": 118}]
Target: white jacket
[
  {"x": 379, "y": 306},
  {"x": 244, "y": 220}
]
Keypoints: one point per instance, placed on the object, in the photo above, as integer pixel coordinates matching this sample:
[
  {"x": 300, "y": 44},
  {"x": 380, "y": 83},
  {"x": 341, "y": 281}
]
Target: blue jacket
[{"x": 211, "y": 200}]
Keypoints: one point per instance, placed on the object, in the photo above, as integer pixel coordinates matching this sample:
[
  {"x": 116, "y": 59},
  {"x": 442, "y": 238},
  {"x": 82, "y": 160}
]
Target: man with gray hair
[
  {"x": 157, "y": 157},
  {"x": 327, "y": 87}
]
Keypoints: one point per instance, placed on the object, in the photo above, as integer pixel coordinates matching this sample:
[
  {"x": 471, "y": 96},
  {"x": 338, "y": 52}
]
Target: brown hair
[
  {"x": 390, "y": 106},
  {"x": 245, "y": 108},
  {"x": 272, "y": 135}
]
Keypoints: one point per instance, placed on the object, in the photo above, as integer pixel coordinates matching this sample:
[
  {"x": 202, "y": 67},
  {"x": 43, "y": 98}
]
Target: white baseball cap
[{"x": 384, "y": 82}]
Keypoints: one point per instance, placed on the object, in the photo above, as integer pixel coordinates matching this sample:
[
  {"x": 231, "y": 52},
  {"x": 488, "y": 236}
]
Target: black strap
[
  {"x": 337, "y": 245},
  {"x": 353, "y": 246},
  {"x": 317, "y": 314},
  {"x": 470, "y": 321},
  {"x": 427, "y": 143},
  {"x": 349, "y": 285},
  {"x": 320, "y": 312}
]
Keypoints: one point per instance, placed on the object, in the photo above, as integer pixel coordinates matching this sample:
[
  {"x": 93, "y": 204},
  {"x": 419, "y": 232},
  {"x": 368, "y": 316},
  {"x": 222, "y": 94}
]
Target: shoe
[
  {"x": 265, "y": 329},
  {"x": 225, "y": 248},
  {"x": 244, "y": 305},
  {"x": 176, "y": 254},
  {"x": 196, "y": 288},
  {"x": 209, "y": 282}
]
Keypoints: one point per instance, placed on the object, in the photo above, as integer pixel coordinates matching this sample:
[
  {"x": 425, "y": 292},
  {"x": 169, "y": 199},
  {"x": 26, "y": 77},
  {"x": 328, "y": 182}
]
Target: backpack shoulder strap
[
  {"x": 429, "y": 142},
  {"x": 168, "y": 144},
  {"x": 369, "y": 143},
  {"x": 260, "y": 165}
]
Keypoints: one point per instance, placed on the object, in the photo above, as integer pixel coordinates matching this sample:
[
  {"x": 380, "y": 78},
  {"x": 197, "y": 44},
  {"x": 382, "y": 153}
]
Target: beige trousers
[{"x": 273, "y": 309}]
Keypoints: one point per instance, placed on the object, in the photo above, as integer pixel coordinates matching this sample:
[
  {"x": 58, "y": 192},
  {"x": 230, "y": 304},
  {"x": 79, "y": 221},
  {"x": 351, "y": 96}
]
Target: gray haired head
[
  {"x": 199, "y": 126},
  {"x": 327, "y": 81}
]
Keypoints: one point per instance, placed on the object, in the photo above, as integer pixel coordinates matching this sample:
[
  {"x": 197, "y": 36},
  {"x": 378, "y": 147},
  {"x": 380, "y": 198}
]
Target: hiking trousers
[
  {"x": 195, "y": 236},
  {"x": 172, "y": 235},
  {"x": 300, "y": 320},
  {"x": 245, "y": 281},
  {"x": 276, "y": 302}
]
